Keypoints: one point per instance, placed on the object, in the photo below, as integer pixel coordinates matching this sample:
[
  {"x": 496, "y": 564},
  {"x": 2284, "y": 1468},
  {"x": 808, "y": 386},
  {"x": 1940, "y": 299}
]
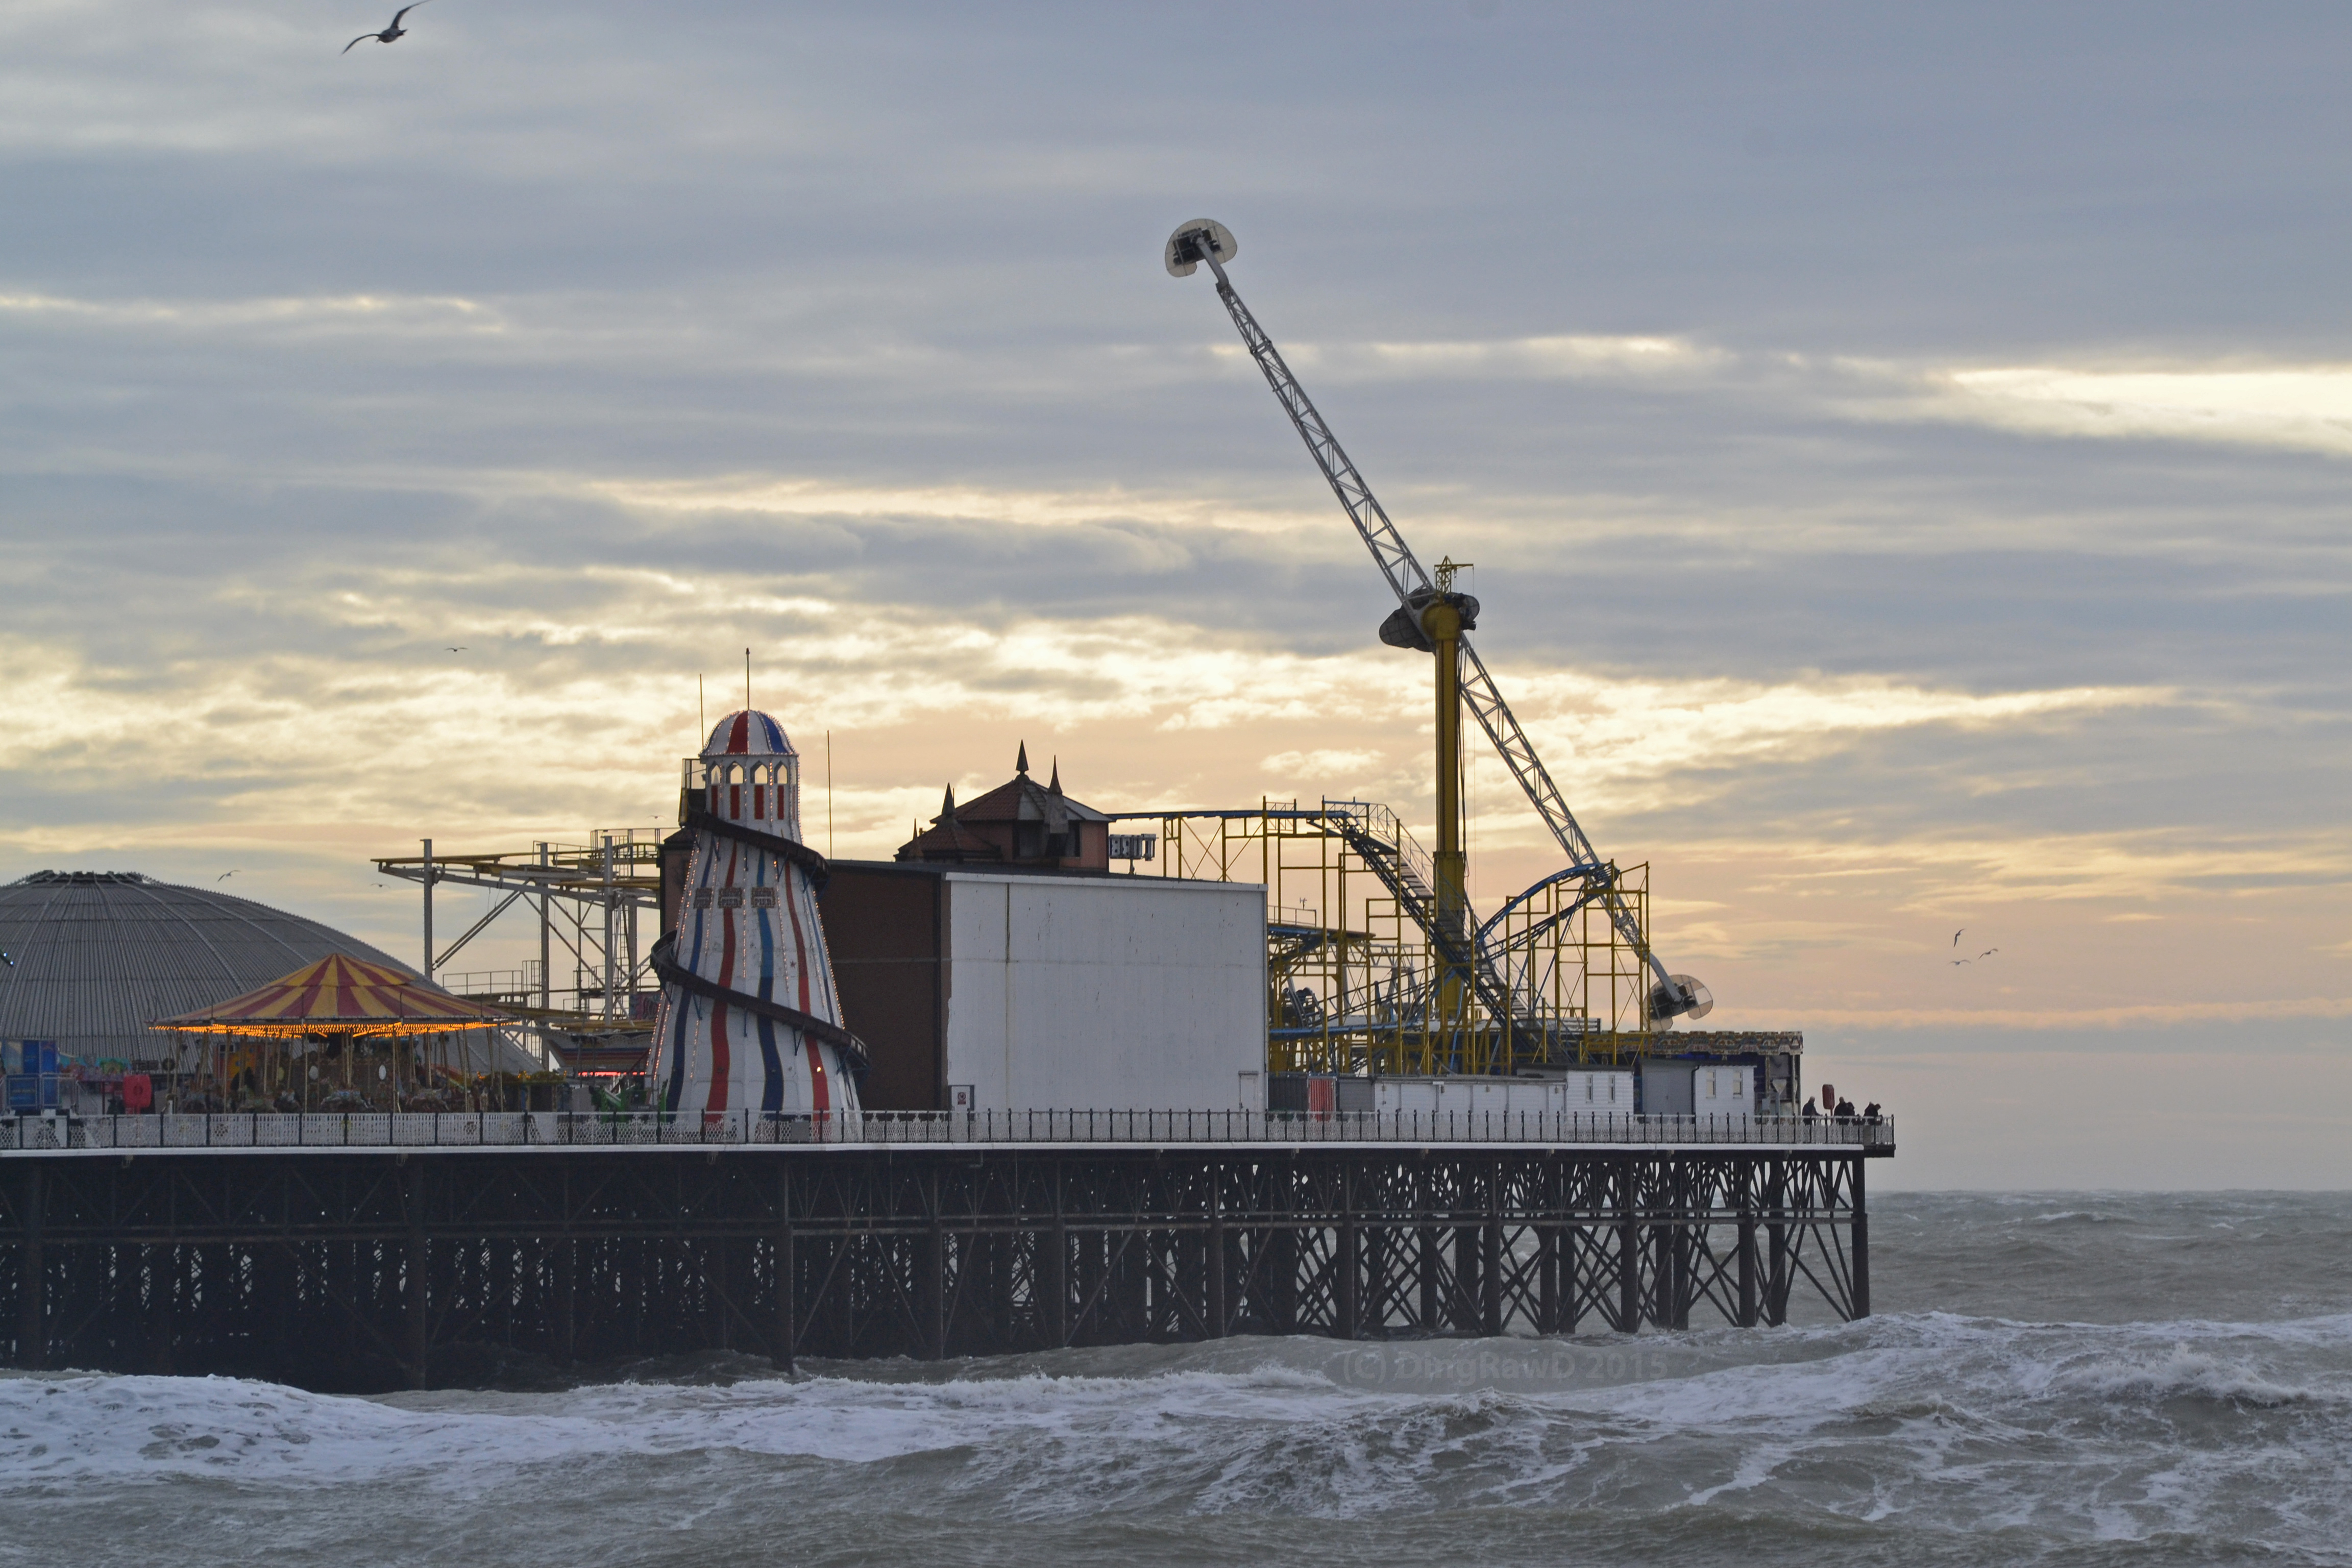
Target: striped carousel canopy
[{"x": 338, "y": 996}]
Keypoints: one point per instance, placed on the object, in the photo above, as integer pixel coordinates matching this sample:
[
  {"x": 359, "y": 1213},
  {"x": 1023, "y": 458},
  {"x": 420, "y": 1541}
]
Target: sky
[{"x": 1902, "y": 452}]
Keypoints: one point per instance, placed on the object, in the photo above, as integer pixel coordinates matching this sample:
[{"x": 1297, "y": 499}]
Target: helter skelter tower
[{"x": 749, "y": 1018}]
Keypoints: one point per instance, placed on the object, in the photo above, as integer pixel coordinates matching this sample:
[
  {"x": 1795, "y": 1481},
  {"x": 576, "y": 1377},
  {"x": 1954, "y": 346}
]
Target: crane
[{"x": 1417, "y": 592}]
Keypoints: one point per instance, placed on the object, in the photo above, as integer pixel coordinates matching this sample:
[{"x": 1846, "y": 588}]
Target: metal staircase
[{"x": 1384, "y": 845}]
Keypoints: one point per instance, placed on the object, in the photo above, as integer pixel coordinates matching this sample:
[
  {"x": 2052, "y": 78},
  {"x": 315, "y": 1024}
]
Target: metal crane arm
[
  {"x": 1406, "y": 578},
  {"x": 1390, "y": 553}
]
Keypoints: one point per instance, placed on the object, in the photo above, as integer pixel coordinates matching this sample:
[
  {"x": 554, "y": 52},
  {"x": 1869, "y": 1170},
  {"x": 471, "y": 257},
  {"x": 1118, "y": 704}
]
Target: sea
[{"x": 2051, "y": 1378}]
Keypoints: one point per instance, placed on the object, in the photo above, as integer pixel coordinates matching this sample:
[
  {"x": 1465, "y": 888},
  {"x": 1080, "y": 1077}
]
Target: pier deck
[{"x": 567, "y": 1130}]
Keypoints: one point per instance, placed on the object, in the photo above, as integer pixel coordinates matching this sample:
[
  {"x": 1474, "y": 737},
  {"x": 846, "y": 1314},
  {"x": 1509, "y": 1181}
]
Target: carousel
[{"x": 340, "y": 1034}]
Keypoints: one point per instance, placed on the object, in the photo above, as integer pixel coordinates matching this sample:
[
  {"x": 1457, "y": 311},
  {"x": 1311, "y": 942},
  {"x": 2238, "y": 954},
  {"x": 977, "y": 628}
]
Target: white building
[{"x": 1050, "y": 990}]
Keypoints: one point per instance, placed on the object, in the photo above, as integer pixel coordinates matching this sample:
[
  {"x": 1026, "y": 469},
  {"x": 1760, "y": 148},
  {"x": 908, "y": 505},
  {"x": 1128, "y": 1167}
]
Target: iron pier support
[
  {"x": 32, "y": 1272},
  {"x": 369, "y": 1271}
]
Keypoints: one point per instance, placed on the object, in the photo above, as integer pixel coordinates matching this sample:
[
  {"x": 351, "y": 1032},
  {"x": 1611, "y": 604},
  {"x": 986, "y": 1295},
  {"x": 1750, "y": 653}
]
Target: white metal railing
[{"x": 492, "y": 1129}]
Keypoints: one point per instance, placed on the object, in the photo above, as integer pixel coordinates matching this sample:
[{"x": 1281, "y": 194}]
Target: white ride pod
[{"x": 1195, "y": 240}]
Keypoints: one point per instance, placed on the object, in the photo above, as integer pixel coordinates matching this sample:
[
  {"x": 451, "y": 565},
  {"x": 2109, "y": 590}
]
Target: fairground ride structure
[
  {"x": 1353, "y": 973},
  {"x": 1489, "y": 997},
  {"x": 589, "y": 997}
]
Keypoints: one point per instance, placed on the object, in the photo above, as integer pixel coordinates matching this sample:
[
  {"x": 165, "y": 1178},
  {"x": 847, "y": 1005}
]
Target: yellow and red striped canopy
[{"x": 338, "y": 996}]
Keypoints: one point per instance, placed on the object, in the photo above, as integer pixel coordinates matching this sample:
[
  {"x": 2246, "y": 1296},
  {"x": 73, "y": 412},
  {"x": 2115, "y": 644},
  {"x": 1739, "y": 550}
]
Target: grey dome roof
[{"x": 100, "y": 954}]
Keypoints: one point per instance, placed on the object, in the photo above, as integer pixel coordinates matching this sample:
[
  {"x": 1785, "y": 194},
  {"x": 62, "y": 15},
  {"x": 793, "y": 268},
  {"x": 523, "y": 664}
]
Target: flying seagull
[
  {"x": 225, "y": 876},
  {"x": 1987, "y": 953},
  {"x": 1956, "y": 936},
  {"x": 454, "y": 650},
  {"x": 389, "y": 33}
]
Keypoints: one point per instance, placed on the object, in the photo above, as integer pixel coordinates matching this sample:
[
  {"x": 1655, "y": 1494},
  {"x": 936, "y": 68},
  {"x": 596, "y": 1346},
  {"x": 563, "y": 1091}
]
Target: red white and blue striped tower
[{"x": 749, "y": 1018}]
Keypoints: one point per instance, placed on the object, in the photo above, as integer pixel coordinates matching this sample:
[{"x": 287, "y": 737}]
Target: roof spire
[
  {"x": 947, "y": 807},
  {"x": 1021, "y": 764},
  {"x": 1056, "y": 785}
]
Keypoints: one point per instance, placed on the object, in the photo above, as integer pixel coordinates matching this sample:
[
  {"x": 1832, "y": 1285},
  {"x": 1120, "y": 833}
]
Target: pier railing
[{"x": 492, "y": 1128}]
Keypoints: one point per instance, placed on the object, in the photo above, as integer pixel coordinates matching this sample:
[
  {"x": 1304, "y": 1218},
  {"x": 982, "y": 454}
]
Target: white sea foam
[
  {"x": 2179, "y": 1372},
  {"x": 93, "y": 1428},
  {"x": 1927, "y": 1413}
]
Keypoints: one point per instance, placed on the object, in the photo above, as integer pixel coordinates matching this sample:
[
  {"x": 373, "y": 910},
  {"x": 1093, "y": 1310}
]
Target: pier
[{"x": 420, "y": 1258}]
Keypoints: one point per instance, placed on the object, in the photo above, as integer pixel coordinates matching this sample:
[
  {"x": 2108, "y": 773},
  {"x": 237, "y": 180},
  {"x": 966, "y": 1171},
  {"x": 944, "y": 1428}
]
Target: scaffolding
[
  {"x": 1359, "y": 946},
  {"x": 590, "y": 993}
]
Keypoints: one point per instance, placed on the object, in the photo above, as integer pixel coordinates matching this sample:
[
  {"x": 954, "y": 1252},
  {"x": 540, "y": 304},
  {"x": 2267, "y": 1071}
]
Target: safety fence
[{"x": 492, "y": 1128}]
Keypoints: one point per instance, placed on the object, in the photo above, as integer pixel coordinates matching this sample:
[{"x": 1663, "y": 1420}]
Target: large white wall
[{"x": 1105, "y": 994}]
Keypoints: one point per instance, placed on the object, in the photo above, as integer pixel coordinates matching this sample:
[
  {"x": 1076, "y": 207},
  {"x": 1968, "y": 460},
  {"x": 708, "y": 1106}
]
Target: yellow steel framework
[{"x": 1355, "y": 981}]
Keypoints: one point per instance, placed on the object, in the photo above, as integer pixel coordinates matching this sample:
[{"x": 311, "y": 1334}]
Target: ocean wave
[
  {"x": 1959, "y": 1375},
  {"x": 1958, "y": 1427},
  {"x": 2184, "y": 1373}
]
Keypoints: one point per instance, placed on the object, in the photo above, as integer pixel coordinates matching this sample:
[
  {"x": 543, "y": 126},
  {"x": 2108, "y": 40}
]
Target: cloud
[
  {"x": 1327, "y": 763},
  {"x": 1969, "y": 866},
  {"x": 1027, "y": 507},
  {"x": 1631, "y": 740},
  {"x": 2306, "y": 408},
  {"x": 348, "y": 312},
  {"x": 2154, "y": 1015},
  {"x": 1549, "y": 357},
  {"x": 589, "y": 687}
]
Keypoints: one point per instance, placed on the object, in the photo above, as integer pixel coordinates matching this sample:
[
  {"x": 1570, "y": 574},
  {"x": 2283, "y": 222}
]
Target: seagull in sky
[
  {"x": 390, "y": 33},
  {"x": 1957, "y": 935},
  {"x": 225, "y": 876},
  {"x": 454, "y": 650},
  {"x": 1987, "y": 953}
]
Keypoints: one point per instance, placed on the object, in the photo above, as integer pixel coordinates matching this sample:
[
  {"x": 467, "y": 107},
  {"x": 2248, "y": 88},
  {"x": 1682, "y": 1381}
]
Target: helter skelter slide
[
  {"x": 749, "y": 1018},
  {"x": 1433, "y": 617}
]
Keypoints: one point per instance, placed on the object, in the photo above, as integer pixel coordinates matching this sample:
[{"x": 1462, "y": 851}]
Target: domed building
[{"x": 94, "y": 956}]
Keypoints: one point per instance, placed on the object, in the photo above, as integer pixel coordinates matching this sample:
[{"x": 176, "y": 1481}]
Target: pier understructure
[{"x": 373, "y": 1270}]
